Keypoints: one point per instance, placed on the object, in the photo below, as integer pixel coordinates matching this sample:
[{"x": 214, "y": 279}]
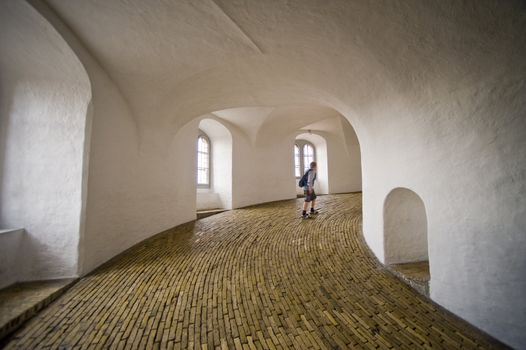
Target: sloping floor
[{"x": 249, "y": 279}]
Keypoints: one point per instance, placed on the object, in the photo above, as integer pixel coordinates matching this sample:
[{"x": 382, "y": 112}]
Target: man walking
[{"x": 308, "y": 189}]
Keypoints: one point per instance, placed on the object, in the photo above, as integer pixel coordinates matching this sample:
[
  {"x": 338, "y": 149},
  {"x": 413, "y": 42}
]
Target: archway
[{"x": 216, "y": 193}]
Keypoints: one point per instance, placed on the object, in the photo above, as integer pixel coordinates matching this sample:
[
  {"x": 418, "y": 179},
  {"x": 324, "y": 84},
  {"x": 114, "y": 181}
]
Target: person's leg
[
  {"x": 305, "y": 207},
  {"x": 306, "y": 203},
  {"x": 313, "y": 203}
]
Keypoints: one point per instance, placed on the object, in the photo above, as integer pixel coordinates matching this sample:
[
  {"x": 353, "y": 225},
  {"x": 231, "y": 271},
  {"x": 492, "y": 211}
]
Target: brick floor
[{"x": 255, "y": 278}]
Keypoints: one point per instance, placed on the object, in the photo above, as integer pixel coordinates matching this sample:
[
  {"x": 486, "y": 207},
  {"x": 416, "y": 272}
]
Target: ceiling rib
[{"x": 244, "y": 35}]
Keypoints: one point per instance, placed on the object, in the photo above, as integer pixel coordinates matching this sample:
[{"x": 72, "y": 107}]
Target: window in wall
[
  {"x": 308, "y": 156},
  {"x": 203, "y": 161},
  {"x": 304, "y": 154},
  {"x": 297, "y": 161}
]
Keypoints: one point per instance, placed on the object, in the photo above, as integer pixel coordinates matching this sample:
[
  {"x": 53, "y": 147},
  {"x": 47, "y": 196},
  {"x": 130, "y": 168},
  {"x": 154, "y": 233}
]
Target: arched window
[
  {"x": 304, "y": 154},
  {"x": 308, "y": 156},
  {"x": 297, "y": 161},
  {"x": 203, "y": 161}
]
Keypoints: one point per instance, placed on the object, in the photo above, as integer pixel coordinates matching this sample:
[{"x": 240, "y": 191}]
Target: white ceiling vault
[
  {"x": 180, "y": 59},
  {"x": 148, "y": 49},
  {"x": 257, "y": 123}
]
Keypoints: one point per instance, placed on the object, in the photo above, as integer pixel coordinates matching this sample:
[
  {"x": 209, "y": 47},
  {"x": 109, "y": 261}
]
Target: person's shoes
[
  {"x": 305, "y": 216},
  {"x": 314, "y": 212}
]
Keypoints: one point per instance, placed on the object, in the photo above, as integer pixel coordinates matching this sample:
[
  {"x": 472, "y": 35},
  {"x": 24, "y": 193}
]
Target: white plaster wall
[
  {"x": 136, "y": 191},
  {"x": 137, "y": 181},
  {"x": 405, "y": 227},
  {"x": 208, "y": 199},
  {"x": 42, "y": 174},
  {"x": 344, "y": 172},
  {"x": 344, "y": 167},
  {"x": 475, "y": 244},
  {"x": 44, "y": 100},
  {"x": 349, "y": 178},
  {"x": 263, "y": 174}
]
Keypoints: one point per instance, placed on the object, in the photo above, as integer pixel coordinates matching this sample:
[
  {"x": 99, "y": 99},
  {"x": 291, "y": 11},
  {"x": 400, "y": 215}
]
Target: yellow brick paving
[{"x": 255, "y": 278}]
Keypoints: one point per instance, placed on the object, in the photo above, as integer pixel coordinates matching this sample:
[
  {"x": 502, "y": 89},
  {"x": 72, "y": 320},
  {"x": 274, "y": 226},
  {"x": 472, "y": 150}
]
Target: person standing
[{"x": 308, "y": 189}]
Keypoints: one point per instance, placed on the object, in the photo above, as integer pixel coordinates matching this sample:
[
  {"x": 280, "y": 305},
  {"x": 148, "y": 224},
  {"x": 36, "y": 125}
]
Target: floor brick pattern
[{"x": 255, "y": 278}]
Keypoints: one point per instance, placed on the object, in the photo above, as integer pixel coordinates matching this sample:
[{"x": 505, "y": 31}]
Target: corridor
[{"x": 254, "y": 278}]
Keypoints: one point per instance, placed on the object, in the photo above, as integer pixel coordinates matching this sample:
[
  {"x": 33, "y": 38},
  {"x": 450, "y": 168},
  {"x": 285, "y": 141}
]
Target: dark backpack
[{"x": 303, "y": 180}]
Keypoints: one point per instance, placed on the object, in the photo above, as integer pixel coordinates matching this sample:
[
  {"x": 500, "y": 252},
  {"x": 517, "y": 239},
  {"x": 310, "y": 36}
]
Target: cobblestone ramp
[{"x": 256, "y": 278}]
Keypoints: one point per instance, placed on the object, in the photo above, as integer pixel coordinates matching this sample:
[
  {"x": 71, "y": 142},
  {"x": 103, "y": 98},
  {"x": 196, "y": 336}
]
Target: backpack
[{"x": 303, "y": 180}]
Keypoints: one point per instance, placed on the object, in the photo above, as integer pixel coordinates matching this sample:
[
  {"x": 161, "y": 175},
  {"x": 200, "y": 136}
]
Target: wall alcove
[{"x": 405, "y": 237}]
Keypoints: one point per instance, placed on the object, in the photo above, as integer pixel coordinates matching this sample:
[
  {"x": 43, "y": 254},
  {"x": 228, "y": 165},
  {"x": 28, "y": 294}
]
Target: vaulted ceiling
[{"x": 180, "y": 59}]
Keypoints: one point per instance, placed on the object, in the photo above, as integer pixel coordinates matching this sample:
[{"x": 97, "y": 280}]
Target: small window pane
[
  {"x": 203, "y": 161},
  {"x": 297, "y": 158},
  {"x": 308, "y": 156}
]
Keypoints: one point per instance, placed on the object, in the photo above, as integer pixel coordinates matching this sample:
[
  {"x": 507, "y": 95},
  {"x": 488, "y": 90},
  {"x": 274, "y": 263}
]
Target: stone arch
[
  {"x": 219, "y": 194},
  {"x": 405, "y": 227}
]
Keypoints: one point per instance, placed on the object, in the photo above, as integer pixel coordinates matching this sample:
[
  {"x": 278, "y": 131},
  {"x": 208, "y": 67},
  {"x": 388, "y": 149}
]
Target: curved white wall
[
  {"x": 349, "y": 178},
  {"x": 44, "y": 122}
]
